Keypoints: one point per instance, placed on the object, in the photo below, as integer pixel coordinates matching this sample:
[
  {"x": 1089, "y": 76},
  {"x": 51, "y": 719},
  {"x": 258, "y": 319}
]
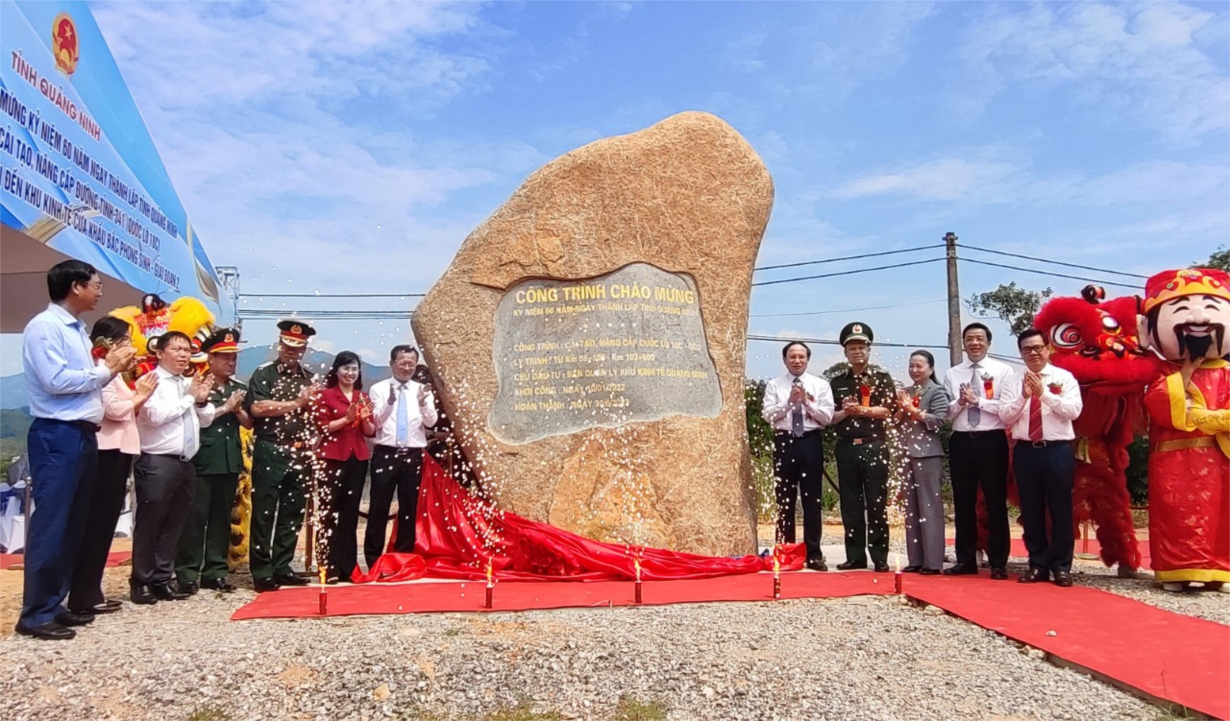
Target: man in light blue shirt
[{"x": 64, "y": 384}]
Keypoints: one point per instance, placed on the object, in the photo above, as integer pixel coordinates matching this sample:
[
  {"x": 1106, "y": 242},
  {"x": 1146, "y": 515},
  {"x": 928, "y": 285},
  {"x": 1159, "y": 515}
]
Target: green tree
[
  {"x": 1010, "y": 303},
  {"x": 1219, "y": 259}
]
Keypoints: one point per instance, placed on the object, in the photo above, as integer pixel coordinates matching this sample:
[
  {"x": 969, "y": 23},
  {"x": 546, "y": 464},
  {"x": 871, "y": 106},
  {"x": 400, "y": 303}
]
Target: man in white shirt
[
  {"x": 798, "y": 405},
  {"x": 403, "y": 410},
  {"x": 1040, "y": 404},
  {"x": 978, "y": 453},
  {"x": 170, "y": 428}
]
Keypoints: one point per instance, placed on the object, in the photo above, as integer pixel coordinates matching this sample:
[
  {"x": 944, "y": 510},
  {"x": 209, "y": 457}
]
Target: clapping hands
[{"x": 200, "y": 386}]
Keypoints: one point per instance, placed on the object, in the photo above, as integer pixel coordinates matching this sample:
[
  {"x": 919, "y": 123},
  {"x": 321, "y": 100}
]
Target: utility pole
[{"x": 954, "y": 300}]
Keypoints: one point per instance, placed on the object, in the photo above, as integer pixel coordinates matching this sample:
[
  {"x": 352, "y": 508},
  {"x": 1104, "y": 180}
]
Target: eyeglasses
[
  {"x": 94, "y": 284},
  {"x": 1032, "y": 349}
]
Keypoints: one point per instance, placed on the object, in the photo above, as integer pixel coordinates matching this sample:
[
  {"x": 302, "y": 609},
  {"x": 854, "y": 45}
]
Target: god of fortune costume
[{"x": 1185, "y": 318}]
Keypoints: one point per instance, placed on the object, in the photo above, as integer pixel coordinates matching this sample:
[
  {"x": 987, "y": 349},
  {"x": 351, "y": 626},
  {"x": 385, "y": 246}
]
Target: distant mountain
[
  {"x": 13, "y": 391},
  {"x": 13, "y": 388},
  {"x": 316, "y": 361}
]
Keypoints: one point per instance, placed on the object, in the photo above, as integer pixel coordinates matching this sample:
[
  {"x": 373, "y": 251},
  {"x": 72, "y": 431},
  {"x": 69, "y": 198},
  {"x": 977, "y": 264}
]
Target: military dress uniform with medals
[
  {"x": 281, "y": 465},
  {"x": 206, "y": 538},
  {"x": 862, "y": 458}
]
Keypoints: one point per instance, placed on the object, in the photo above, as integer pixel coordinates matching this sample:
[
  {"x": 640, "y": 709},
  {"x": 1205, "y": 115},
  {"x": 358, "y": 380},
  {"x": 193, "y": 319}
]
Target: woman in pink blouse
[
  {"x": 345, "y": 416},
  {"x": 118, "y": 445}
]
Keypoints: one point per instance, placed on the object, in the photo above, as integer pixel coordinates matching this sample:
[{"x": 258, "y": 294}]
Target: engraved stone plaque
[{"x": 624, "y": 347}]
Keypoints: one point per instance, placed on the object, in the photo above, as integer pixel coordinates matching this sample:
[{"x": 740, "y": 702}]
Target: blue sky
[{"x": 351, "y": 147}]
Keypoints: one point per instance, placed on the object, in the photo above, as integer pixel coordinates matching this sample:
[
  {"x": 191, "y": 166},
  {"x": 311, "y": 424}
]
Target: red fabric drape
[{"x": 458, "y": 533}]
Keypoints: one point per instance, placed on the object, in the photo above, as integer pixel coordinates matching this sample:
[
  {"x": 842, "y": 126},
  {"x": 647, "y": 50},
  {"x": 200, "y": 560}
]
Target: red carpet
[
  {"x": 8, "y": 560},
  {"x": 1168, "y": 655},
  {"x": 451, "y": 596},
  {"x": 1019, "y": 550}
]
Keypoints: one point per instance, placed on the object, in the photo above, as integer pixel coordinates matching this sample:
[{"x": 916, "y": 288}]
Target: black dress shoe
[
  {"x": 290, "y": 579},
  {"x": 68, "y": 618},
  {"x": 218, "y": 584},
  {"x": 817, "y": 564},
  {"x": 881, "y": 567},
  {"x": 999, "y": 574},
  {"x": 140, "y": 594},
  {"x": 1034, "y": 575},
  {"x": 111, "y": 605},
  {"x": 191, "y": 588},
  {"x": 164, "y": 592},
  {"x": 265, "y": 584},
  {"x": 928, "y": 571},
  {"x": 912, "y": 569},
  {"x": 961, "y": 569},
  {"x": 50, "y": 631},
  {"x": 851, "y": 566},
  {"x": 1063, "y": 579}
]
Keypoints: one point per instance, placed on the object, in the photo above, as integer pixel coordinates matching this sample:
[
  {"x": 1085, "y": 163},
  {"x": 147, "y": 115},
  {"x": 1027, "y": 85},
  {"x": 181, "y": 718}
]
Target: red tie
[{"x": 1035, "y": 419}]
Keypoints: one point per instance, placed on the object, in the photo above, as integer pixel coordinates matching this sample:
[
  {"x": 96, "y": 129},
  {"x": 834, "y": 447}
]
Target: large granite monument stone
[{"x": 589, "y": 338}]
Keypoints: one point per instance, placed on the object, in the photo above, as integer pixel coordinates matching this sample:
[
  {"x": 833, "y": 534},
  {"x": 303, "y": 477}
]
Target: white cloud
[
  {"x": 288, "y": 129},
  {"x": 1149, "y": 63},
  {"x": 942, "y": 179}
]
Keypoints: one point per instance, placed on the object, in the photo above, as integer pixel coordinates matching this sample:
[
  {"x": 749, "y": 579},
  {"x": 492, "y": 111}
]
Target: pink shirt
[{"x": 119, "y": 424}]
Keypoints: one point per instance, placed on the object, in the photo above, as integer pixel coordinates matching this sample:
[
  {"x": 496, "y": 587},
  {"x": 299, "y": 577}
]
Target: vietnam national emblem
[{"x": 64, "y": 43}]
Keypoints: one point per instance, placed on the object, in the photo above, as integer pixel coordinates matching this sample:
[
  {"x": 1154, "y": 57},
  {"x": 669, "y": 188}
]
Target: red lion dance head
[{"x": 1095, "y": 339}]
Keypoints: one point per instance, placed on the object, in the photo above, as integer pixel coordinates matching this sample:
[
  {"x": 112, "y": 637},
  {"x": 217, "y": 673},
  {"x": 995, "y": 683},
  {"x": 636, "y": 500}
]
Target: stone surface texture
[{"x": 687, "y": 195}]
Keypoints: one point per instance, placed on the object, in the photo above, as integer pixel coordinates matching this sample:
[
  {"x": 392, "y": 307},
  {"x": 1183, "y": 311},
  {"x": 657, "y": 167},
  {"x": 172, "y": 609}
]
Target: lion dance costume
[{"x": 1094, "y": 339}]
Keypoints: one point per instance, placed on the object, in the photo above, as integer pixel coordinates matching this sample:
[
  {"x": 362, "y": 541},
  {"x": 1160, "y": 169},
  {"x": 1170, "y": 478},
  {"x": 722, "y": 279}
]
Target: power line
[
  {"x": 829, "y": 341},
  {"x": 848, "y": 310},
  {"x": 848, "y": 257},
  {"x": 1048, "y": 273},
  {"x": 1052, "y": 262},
  {"x": 846, "y": 272},
  {"x": 326, "y": 315},
  {"x": 332, "y": 295}
]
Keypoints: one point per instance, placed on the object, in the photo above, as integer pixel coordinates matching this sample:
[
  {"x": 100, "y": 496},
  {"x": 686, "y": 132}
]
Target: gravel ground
[
  {"x": 857, "y": 658},
  {"x": 865, "y": 658}
]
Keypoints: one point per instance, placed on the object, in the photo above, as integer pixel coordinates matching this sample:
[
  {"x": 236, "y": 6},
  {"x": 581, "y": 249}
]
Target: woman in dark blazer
[
  {"x": 345, "y": 416},
  {"x": 923, "y": 409}
]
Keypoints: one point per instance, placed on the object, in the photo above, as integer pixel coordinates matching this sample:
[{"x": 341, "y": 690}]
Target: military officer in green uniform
[
  {"x": 865, "y": 400},
  {"x": 279, "y": 399},
  {"x": 206, "y": 537}
]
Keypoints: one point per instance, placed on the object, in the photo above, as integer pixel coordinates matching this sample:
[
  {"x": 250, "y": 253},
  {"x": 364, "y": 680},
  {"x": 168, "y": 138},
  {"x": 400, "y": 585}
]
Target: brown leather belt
[{"x": 1182, "y": 444}]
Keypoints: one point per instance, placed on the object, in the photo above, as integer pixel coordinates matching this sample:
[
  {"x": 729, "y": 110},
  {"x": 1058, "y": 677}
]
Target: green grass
[
  {"x": 631, "y": 709},
  {"x": 1174, "y": 712}
]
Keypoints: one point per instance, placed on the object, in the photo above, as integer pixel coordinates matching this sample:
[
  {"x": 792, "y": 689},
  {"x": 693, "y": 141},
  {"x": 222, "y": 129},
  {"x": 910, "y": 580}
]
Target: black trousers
[
  {"x": 340, "y": 520},
  {"x": 164, "y": 498},
  {"x": 798, "y": 469},
  {"x": 397, "y": 471},
  {"x": 1044, "y": 478},
  {"x": 980, "y": 460},
  {"x": 862, "y": 471},
  {"x": 110, "y": 487}
]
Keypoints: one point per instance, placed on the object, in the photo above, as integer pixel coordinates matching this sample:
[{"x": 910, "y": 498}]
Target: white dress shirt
[
  {"x": 1061, "y": 404},
  {"x": 817, "y": 407},
  {"x": 989, "y": 408},
  {"x": 421, "y": 415},
  {"x": 162, "y": 420}
]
